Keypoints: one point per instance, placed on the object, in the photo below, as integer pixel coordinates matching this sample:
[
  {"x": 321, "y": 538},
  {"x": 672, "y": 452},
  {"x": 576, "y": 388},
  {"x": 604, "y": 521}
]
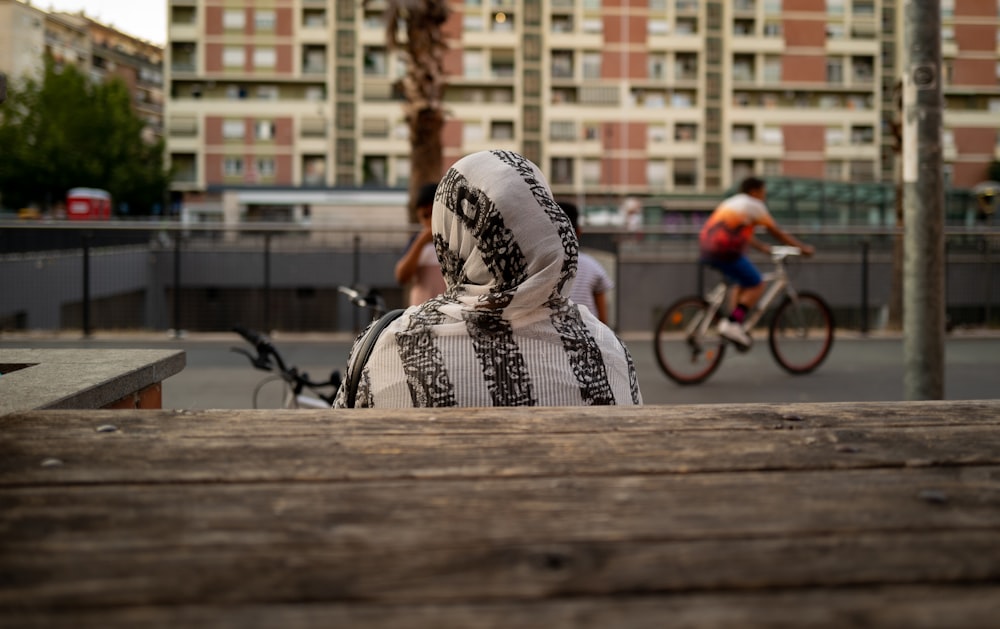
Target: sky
[{"x": 146, "y": 19}]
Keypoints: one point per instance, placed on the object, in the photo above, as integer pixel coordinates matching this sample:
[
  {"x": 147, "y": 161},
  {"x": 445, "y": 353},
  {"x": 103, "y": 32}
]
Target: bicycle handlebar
[
  {"x": 265, "y": 352},
  {"x": 371, "y": 299}
]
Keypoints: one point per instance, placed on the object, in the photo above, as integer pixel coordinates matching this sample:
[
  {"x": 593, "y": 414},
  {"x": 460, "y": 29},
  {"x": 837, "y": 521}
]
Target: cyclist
[{"x": 724, "y": 240}]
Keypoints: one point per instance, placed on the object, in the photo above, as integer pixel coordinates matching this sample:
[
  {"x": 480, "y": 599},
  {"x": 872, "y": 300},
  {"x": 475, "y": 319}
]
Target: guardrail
[{"x": 169, "y": 276}]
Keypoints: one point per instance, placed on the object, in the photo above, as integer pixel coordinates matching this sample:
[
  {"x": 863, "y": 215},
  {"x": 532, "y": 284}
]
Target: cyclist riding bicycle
[{"x": 724, "y": 240}]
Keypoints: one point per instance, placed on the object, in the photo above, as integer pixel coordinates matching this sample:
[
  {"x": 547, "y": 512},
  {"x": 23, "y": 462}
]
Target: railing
[{"x": 278, "y": 276}]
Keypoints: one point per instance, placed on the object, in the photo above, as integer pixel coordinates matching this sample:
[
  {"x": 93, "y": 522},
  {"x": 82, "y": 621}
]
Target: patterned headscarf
[{"x": 504, "y": 333}]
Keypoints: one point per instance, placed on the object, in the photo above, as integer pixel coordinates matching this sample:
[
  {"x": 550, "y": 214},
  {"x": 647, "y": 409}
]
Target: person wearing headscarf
[{"x": 504, "y": 333}]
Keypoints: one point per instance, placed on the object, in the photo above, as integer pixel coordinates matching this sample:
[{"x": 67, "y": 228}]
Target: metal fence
[{"x": 166, "y": 276}]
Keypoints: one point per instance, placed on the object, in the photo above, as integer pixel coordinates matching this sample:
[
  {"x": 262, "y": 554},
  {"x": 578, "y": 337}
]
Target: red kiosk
[{"x": 88, "y": 204}]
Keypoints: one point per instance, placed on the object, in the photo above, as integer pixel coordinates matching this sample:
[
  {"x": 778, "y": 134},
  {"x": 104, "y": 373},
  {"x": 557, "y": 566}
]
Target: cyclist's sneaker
[{"x": 734, "y": 332}]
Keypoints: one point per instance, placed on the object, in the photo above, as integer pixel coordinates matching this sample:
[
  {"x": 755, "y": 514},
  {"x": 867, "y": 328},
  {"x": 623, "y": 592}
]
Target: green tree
[{"x": 64, "y": 131}]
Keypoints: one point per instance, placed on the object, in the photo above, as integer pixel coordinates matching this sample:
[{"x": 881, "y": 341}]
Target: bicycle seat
[{"x": 779, "y": 252}]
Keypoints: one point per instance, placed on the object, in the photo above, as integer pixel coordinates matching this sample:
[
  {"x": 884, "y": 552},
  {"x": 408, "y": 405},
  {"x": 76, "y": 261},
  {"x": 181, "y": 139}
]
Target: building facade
[
  {"x": 22, "y": 39},
  {"x": 28, "y": 34},
  {"x": 612, "y": 97}
]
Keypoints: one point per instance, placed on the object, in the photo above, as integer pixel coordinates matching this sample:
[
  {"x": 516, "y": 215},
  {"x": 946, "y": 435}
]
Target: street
[{"x": 858, "y": 368}]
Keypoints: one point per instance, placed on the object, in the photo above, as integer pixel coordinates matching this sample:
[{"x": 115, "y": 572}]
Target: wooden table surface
[{"x": 809, "y": 515}]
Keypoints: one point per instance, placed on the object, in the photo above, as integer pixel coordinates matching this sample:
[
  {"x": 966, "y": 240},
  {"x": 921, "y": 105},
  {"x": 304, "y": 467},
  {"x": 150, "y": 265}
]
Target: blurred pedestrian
[
  {"x": 419, "y": 269},
  {"x": 592, "y": 284}
]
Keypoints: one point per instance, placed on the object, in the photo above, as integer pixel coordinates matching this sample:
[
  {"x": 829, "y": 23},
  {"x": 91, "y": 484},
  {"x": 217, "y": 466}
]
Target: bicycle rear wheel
[
  {"x": 801, "y": 333},
  {"x": 685, "y": 355}
]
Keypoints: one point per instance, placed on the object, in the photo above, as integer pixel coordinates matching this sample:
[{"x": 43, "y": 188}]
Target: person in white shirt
[{"x": 592, "y": 284}]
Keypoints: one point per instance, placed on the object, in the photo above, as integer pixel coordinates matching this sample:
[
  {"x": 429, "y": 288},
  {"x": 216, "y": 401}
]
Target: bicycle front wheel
[
  {"x": 685, "y": 354},
  {"x": 801, "y": 333}
]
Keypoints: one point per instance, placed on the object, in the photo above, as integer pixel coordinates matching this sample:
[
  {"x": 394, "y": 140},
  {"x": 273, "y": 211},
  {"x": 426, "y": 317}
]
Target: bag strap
[{"x": 360, "y": 358}]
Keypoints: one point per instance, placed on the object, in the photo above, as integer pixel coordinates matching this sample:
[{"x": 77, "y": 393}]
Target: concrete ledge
[{"x": 84, "y": 378}]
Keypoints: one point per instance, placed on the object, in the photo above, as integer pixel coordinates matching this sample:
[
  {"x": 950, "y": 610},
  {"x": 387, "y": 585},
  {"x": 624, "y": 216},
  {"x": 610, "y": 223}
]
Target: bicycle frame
[{"x": 777, "y": 283}]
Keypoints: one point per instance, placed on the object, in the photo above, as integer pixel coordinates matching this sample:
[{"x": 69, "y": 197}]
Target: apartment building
[
  {"x": 22, "y": 39},
  {"x": 28, "y": 34},
  {"x": 611, "y": 98},
  {"x": 137, "y": 62}
]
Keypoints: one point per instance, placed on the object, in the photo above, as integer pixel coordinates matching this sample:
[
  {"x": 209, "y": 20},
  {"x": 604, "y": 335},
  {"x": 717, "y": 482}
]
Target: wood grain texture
[{"x": 822, "y": 515}]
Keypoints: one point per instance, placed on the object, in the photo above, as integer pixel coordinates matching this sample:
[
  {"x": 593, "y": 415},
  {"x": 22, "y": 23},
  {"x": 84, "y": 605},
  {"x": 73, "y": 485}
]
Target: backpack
[{"x": 360, "y": 357}]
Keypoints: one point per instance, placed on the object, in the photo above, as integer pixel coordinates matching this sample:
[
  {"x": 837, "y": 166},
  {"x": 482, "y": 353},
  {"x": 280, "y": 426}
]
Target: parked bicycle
[
  {"x": 800, "y": 330},
  {"x": 298, "y": 390}
]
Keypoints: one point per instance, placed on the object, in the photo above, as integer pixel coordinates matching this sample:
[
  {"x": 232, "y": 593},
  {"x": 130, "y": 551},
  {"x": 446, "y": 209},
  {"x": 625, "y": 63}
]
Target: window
[
  {"x": 264, "y": 58},
  {"x": 686, "y": 65},
  {"x": 236, "y": 92},
  {"x": 473, "y": 63},
  {"x": 591, "y": 171},
  {"x": 685, "y": 132},
  {"x": 656, "y": 66},
  {"x": 593, "y": 25},
  {"x": 862, "y": 134},
  {"x": 502, "y": 130},
  {"x": 233, "y": 56},
  {"x": 835, "y": 7},
  {"x": 656, "y": 133},
  {"x": 592, "y": 65},
  {"x": 742, "y": 134},
  {"x": 564, "y": 130},
  {"x": 562, "y": 170},
  {"x": 264, "y": 19},
  {"x": 265, "y": 166},
  {"x": 473, "y": 132},
  {"x": 234, "y": 19},
  {"x": 562, "y": 64},
  {"x": 834, "y": 170},
  {"x": 657, "y": 27},
  {"x": 834, "y": 70},
  {"x": 835, "y": 136},
  {"x": 472, "y": 23},
  {"x": 772, "y": 68},
  {"x": 376, "y": 63},
  {"x": 656, "y": 173},
  {"x": 685, "y": 173},
  {"x": 374, "y": 169},
  {"x": 232, "y": 166},
  {"x": 742, "y": 168},
  {"x": 502, "y": 22},
  {"x": 772, "y": 135},
  {"x": 264, "y": 130},
  {"x": 267, "y": 92},
  {"x": 233, "y": 129}
]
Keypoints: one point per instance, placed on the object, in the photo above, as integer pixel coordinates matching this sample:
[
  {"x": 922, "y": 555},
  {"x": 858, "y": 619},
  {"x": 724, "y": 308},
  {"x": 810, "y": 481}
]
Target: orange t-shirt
[{"x": 727, "y": 232}]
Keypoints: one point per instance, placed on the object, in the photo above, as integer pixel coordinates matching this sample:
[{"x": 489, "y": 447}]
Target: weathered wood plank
[
  {"x": 555, "y": 420},
  {"x": 517, "y": 510},
  {"x": 914, "y": 607},
  {"x": 60, "y": 579},
  {"x": 137, "y": 453}
]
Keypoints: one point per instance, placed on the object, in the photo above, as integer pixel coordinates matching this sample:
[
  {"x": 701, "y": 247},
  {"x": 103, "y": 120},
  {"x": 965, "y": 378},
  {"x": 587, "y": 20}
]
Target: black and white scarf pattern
[{"x": 504, "y": 333}]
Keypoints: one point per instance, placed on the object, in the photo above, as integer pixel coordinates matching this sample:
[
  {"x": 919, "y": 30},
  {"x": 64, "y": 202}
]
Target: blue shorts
[{"x": 741, "y": 271}]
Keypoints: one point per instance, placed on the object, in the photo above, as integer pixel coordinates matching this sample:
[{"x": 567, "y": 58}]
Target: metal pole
[
  {"x": 864, "y": 286},
  {"x": 356, "y": 279},
  {"x": 177, "y": 285},
  {"x": 923, "y": 204},
  {"x": 267, "y": 282},
  {"x": 86, "y": 284}
]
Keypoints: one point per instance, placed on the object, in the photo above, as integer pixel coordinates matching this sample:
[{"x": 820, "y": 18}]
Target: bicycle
[
  {"x": 298, "y": 389},
  {"x": 800, "y": 332}
]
